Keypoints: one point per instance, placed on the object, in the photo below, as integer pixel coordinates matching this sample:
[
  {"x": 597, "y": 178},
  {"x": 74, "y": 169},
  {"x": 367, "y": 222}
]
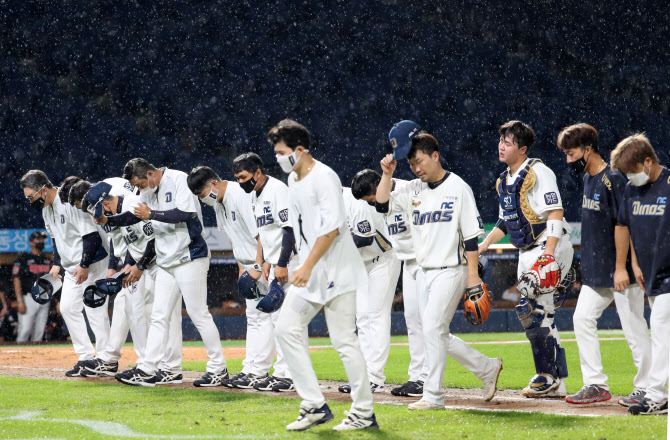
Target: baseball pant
[
  {"x": 657, "y": 391},
  {"x": 71, "y": 307},
  {"x": 294, "y": 317},
  {"x": 563, "y": 255},
  {"x": 260, "y": 343},
  {"x": 188, "y": 280},
  {"x": 411, "y": 273},
  {"x": 373, "y": 313},
  {"x": 630, "y": 306},
  {"x": 32, "y": 323},
  {"x": 440, "y": 293},
  {"x": 281, "y": 367}
]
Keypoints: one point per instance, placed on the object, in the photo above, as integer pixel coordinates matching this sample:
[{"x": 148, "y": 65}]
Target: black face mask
[
  {"x": 578, "y": 166},
  {"x": 39, "y": 246},
  {"x": 249, "y": 185},
  {"x": 38, "y": 204}
]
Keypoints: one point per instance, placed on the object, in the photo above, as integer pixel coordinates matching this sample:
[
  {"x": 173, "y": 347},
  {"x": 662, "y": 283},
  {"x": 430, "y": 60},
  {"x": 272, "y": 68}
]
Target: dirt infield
[{"x": 39, "y": 362}]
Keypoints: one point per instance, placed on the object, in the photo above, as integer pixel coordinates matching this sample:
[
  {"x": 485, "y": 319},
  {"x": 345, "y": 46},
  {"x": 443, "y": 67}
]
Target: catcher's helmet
[
  {"x": 273, "y": 300},
  {"x": 45, "y": 288},
  {"x": 93, "y": 297}
]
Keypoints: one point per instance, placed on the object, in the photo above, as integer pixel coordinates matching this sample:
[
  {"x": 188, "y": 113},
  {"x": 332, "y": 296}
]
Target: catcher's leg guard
[
  {"x": 561, "y": 362},
  {"x": 545, "y": 350},
  {"x": 529, "y": 313}
]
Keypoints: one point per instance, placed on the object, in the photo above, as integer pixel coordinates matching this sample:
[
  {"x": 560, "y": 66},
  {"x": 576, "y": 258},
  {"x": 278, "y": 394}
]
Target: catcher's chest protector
[{"x": 523, "y": 225}]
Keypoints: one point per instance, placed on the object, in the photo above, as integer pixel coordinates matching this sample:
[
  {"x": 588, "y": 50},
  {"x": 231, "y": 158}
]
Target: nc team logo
[{"x": 657, "y": 208}]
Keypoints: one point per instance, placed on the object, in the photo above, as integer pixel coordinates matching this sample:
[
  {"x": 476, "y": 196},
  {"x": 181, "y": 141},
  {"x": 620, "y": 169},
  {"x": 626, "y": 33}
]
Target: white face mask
[
  {"x": 639, "y": 179},
  {"x": 210, "y": 199},
  {"x": 288, "y": 163},
  {"x": 149, "y": 190}
]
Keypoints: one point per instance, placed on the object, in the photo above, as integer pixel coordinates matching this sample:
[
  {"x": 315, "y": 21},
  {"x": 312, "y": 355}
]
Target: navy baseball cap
[
  {"x": 95, "y": 196},
  {"x": 401, "y": 136}
]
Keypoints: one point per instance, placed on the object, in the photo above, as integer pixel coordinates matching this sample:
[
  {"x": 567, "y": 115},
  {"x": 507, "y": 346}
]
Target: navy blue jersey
[
  {"x": 644, "y": 209},
  {"x": 600, "y": 206}
]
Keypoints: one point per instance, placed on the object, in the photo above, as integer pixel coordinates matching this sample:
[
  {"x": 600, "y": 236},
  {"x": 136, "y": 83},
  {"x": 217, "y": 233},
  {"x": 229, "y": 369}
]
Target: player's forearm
[
  {"x": 473, "y": 263},
  {"x": 633, "y": 257},
  {"x": 125, "y": 219},
  {"x": 287, "y": 246},
  {"x": 554, "y": 230},
  {"x": 172, "y": 216},
  {"x": 17, "y": 289},
  {"x": 90, "y": 245},
  {"x": 321, "y": 246},
  {"x": 494, "y": 237},
  {"x": 259, "y": 250},
  {"x": 384, "y": 188},
  {"x": 148, "y": 255},
  {"x": 621, "y": 242},
  {"x": 3, "y": 300}
]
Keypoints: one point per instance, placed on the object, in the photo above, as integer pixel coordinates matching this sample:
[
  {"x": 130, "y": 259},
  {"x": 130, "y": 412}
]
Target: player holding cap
[
  {"x": 645, "y": 215},
  {"x": 182, "y": 257},
  {"x": 269, "y": 199},
  {"x": 532, "y": 213},
  {"x": 330, "y": 272},
  {"x": 364, "y": 186},
  {"x": 606, "y": 276},
  {"x": 80, "y": 251},
  {"x": 373, "y": 304},
  {"x": 235, "y": 216},
  {"x": 445, "y": 226}
]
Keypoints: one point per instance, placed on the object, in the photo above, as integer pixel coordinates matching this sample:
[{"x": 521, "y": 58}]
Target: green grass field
[{"x": 41, "y": 408}]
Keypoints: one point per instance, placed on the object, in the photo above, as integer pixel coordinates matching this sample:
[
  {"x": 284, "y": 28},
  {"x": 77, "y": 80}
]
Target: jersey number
[
  {"x": 168, "y": 197},
  {"x": 130, "y": 236}
]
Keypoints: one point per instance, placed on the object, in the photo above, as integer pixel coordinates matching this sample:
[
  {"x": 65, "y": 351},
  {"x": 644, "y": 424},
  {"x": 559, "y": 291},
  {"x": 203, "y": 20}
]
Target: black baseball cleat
[
  {"x": 76, "y": 370},
  {"x": 249, "y": 381},
  {"x": 646, "y": 407},
  {"x": 166, "y": 378},
  {"x": 409, "y": 389},
  {"x": 212, "y": 379},
  {"x": 99, "y": 368},
  {"x": 229, "y": 382},
  {"x": 346, "y": 388},
  {"x": 267, "y": 383},
  {"x": 137, "y": 377},
  {"x": 285, "y": 385}
]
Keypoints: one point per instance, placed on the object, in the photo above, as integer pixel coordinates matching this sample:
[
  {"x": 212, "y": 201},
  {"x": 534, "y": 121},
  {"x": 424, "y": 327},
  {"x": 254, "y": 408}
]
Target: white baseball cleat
[
  {"x": 423, "y": 404},
  {"x": 545, "y": 385},
  {"x": 491, "y": 385},
  {"x": 354, "y": 421},
  {"x": 311, "y": 417}
]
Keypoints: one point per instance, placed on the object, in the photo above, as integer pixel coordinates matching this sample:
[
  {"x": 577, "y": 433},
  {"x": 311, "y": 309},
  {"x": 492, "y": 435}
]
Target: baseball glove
[
  {"x": 543, "y": 277},
  {"x": 478, "y": 304}
]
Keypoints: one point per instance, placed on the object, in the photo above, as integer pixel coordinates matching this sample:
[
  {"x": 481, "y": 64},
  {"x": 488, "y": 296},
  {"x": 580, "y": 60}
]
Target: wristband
[
  {"x": 555, "y": 228},
  {"x": 257, "y": 267}
]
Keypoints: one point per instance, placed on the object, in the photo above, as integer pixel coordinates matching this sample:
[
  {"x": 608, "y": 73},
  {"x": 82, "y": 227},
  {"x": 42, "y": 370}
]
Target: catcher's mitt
[
  {"x": 543, "y": 277},
  {"x": 478, "y": 304}
]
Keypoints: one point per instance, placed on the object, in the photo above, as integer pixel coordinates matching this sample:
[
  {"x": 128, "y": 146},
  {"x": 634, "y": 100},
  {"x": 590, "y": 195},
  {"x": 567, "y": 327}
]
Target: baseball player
[
  {"x": 133, "y": 248},
  {"x": 330, "y": 272},
  {"x": 445, "y": 226},
  {"x": 644, "y": 214},
  {"x": 235, "y": 216},
  {"x": 28, "y": 267},
  {"x": 605, "y": 275},
  {"x": 531, "y": 211},
  {"x": 182, "y": 257},
  {"x": 373, "y": 304},
  {"x": 80, "y": 250},
  {"x": 364, "y": 187},
  {"x": 269, "y": 199}
]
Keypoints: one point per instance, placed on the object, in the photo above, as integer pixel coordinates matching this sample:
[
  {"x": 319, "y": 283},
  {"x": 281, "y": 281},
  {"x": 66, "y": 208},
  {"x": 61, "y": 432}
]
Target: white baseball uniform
[
  {"x": 373, "y": 302},
  {"x": 398, "y": 224},
  {"x": 67, "y": 225},
  {"x": 235, "y": 216},
  {"x": 270, "y": 206},
  {"x": 317, "y": 208},
  {"x": 182, "y": 257},
  {"x": 443, "y": 218}
]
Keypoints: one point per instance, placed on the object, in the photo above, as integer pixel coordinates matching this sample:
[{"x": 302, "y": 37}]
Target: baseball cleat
[
  {"x": 423, "y": 404},
  {"x": 267, "y": 383},
  {"x": 491, "y": 385},
  {"x": 646, "y": 408},
  {"x": 354, "y": 421},
  {"x": 76, "y": 370},
  {"x": 229, "y": 382},
  {"x": 137, "y": 377},
  {"x": 409, "y": 389},
  {"x": 635, "y": 397},
  {"x": 544, "y": 385},
  {"x": 311, "y": 417},
  {"x": 285, "y": 385},
  {"x": 249, "y": 381},
  {"x": 589, "y": 394},
  {"x": 166, "y": 377},
  {"x": 212, "y": 379},
  {"x": 99, "y": 368},
  {"x": 346, "y": 388}
]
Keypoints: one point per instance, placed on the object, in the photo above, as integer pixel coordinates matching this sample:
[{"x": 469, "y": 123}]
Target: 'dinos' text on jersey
[
  {"x": 657, "y": 208},
  {"x": 398, "y": 227},
  {"x": 444, "y": 214},
  {"x": 592, "y": 204},
  {"x": 266, "y": 218}
]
